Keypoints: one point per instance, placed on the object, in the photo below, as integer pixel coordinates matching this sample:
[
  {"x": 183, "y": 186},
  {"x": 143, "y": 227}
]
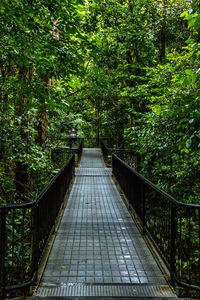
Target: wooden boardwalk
[{"x": 98, "y": 251}]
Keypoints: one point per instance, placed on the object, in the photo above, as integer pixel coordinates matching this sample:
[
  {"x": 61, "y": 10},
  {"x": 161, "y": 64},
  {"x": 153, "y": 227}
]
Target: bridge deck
[{"x": 98, "y": 250}]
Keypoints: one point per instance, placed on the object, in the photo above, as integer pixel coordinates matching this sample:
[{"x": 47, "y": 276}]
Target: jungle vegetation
[{"x": 124, "y": 69}]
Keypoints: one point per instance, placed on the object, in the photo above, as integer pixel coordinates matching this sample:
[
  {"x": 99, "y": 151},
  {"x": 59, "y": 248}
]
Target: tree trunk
[
  {"x": 162, "y": 50},
  {"x": 42, "y": 121},
  {"x": 41, "y": 127},
  {"x": 162, "y": 38},
  {"x": 21, "y": 174}
]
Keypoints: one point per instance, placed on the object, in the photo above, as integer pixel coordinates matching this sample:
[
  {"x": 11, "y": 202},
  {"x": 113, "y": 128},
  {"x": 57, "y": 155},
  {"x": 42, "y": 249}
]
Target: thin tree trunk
[
  {"x": 162, "y": 38},
  {"x": 21, "y": 174},
  {"x": 162, "y": 51},
  {"x": 42, "y": 122}
]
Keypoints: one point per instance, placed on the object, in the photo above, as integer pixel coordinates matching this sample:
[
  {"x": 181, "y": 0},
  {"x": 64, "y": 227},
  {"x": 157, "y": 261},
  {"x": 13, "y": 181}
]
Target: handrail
[
  {"x": 109, "y": 151},
  {"x": 22, "y": 205},
  {"x": 25, "y": 230},
  {"x": 173, "y": 227},
  {"x": 67, "y": 152}
]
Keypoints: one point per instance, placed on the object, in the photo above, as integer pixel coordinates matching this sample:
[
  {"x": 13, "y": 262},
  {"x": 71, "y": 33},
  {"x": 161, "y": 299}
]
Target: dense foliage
[
  {"x": 40, "y": 47},
  {"x": 128, "y": 70},
  {"x": 142, "y": 87}
]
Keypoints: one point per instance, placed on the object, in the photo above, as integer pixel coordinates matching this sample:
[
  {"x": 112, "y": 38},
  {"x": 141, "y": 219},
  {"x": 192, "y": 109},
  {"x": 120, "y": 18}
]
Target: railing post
[
  {"x": 173, "y": 241},
  {"x": 143, "y": 208},
  {"x": 113, "y": 165},
  {"x": 35, "y": 237},
  {"x": 2, "y": 253}
]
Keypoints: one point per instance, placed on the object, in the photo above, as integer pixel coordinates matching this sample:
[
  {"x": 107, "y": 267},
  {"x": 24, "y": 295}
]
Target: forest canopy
[{"x": 126, "y": 70}]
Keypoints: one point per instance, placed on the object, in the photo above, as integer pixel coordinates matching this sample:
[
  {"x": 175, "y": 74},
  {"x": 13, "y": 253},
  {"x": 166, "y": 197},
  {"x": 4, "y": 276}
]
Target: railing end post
[
  {"x": 143, "y": 209},
  {"x": 173, "y": 243},
  {"x": 2, "y": 253}
]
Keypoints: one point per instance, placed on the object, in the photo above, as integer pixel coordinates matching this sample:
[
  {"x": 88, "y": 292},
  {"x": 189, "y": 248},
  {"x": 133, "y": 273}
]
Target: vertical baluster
[
  {"x": 173, "y": 240},
  {"x": 35, "y": 247},
  {"x": 143, "y": 196},
  {"x": 23, "y": 241},
  {"x": 179, "y": 271},
  {"x": 2, "y": 253},
  {"x": 198, "y": 224},
  {"x": 189, "y": 246},
  {"x": 13, "y": 236}
]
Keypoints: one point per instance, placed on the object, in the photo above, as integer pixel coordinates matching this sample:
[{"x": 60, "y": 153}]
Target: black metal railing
[
  {"x": 126, "y": 155},
  {"x": 62, "y": 154},
  {"x": 79, "y": 150},
  {"x": 173, "y": 227},
  {"x": 25, "y": 230},
  {"x": 105, "y": 151},
  {"x": 59, "y": 156}
]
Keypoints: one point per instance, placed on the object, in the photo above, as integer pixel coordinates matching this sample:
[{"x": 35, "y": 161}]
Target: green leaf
[{"x": 188, "y": 143}]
